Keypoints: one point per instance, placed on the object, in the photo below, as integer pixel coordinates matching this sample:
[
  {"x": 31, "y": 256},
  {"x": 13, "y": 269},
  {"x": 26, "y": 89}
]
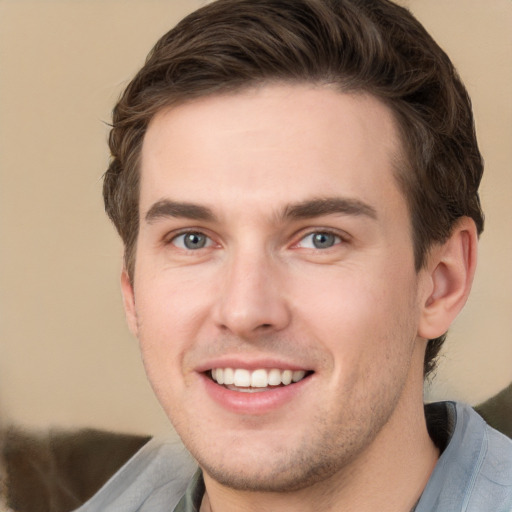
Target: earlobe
[
  {"x": 451, "y": 268},
  {"x": 129, "y": 302}
]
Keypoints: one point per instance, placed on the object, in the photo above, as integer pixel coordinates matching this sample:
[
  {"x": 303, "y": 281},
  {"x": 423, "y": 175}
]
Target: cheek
[
  {"x": 171, "y": 302},
  {"x": 167, "y": 316},
  {"x": 357, "y": 315}
]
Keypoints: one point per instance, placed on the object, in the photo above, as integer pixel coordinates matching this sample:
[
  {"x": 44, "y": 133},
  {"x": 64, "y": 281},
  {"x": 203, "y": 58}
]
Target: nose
[{"x": 252, "y": 300}]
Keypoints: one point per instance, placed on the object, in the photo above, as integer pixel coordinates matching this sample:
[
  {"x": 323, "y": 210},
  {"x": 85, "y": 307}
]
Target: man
[{"x": 296, "y": 186}]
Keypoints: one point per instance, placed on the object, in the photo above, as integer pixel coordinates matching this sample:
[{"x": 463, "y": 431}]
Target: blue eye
[
  {"x": 319, "y": 240},
  {"x": 192, "y": 241}
]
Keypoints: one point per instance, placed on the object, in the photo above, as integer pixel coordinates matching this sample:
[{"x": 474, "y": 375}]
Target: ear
[
  {"x": 451, "y": 268},
  {"x": 129, "y": 302}
]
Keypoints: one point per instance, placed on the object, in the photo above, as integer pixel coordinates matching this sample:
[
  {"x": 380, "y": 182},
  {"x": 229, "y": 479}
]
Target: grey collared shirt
[{"x": 473, "y": 474}]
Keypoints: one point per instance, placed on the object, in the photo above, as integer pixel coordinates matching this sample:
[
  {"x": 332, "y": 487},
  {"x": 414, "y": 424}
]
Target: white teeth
[
  {"x": 274, "y": 377},
  {"x": 286, "y": 377},
  {"x": 297, "y": 375},
  {"x": 229, "y": 376},
  {"x": 259, "y": 378},
  {"x": 242, "y": 378}
]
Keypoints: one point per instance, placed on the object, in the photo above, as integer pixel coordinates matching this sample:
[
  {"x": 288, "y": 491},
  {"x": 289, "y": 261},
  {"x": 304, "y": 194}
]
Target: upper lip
[{"x": 250, "y": 364}]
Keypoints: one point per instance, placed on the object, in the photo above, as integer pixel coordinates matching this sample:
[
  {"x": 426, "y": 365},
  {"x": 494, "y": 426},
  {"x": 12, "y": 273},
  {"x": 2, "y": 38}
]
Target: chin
[
  {"x": 279, "y": 478},
  {"x": 269, "y": 465}
]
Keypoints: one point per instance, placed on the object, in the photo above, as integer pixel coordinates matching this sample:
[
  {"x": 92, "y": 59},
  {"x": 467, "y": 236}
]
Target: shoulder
[
  {"x": 153, "y": 480},
  {"x": 474, "y": 473},
  {"x": 493, "y": 479}
]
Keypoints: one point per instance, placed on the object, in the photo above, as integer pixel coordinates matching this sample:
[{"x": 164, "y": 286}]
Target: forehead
[{"x": 276, "y": 143}]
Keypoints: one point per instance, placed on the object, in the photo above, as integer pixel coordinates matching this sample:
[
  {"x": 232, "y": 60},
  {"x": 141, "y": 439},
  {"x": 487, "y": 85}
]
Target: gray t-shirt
[{"x": 473, "y": 474}]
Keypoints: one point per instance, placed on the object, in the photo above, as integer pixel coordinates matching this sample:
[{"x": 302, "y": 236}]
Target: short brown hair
[{"x": 372, "y": 46}]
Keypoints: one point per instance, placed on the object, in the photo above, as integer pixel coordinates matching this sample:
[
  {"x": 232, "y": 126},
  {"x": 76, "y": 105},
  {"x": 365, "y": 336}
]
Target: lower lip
[{"x": 258, "y": 402}]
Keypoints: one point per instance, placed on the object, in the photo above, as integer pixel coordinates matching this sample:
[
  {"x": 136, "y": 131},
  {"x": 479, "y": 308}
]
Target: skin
[{"x": 265, "y": 169}]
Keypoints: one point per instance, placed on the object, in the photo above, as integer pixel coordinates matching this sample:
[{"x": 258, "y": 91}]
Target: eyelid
[
  {"x": 301, "y": 235},
  {"x": 170, "y": 237}
]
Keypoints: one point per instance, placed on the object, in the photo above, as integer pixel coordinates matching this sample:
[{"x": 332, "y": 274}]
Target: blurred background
[{"x": 66, "y": 356}]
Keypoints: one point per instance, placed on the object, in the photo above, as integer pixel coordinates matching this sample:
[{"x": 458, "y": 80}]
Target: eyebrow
[
  {"x": 168, "y": 208},
  {"x": 328, "y": 206},
  {"x": 295, "y": 211}
]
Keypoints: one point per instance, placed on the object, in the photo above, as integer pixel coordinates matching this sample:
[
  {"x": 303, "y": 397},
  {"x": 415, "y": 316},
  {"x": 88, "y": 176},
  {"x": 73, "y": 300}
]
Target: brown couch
[
  {"x": 497, "y": 411},
  {"x": 58, "y": 471}
]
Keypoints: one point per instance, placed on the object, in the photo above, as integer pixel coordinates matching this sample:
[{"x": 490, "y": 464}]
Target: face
[{"x": 274, "y": 296}]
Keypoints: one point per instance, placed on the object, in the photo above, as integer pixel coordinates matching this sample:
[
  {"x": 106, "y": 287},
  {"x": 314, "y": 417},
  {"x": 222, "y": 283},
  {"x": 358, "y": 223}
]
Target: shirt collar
[{"x": 191, "y": 500}]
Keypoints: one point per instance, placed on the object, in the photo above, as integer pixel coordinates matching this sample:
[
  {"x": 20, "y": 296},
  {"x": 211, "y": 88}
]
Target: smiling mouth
[{"x": 246, "y": 381}]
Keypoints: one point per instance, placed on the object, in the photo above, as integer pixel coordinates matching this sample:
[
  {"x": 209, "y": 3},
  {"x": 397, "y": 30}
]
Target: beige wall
[{"x": 67, "y": 358}]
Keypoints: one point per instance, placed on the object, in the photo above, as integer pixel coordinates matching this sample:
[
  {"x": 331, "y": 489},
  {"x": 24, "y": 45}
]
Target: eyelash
[
  {"x": 338, "y": 239},
  {"x": 190, "y": 232}
]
